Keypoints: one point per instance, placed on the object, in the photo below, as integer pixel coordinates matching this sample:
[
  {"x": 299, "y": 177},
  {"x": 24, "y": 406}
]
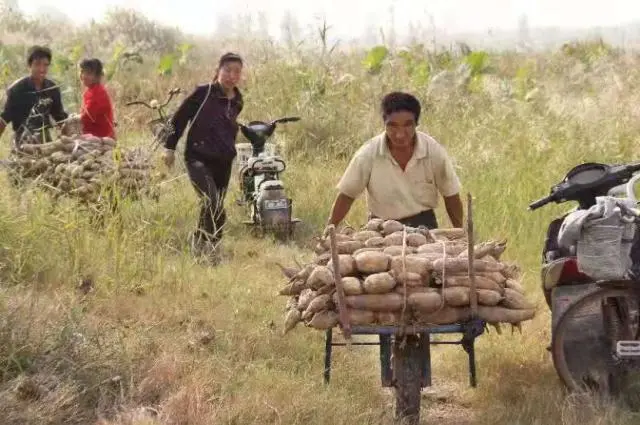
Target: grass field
[{"x": 164, "y": 340}]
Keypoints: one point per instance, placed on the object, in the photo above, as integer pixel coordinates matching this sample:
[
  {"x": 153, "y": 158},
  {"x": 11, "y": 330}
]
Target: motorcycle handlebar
[
  {"x": 622, "y": 171},
  {"x": 275, "y": 122},
  {"x": 287, "y": 119},
  {"x": 540, "y": 203},
  {"x": 634, "y": 167}
]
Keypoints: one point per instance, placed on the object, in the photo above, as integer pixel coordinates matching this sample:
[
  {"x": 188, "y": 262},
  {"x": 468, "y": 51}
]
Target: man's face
[
  {"x": 229, "y": 74},
  {"x": 400, "y": 128},
  {"x": 39, "y": 68}
]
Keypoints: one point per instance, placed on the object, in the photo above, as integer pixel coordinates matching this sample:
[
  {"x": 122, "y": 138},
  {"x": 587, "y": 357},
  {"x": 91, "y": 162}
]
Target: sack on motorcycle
[
  {"x": 603, "y": 236},
  {"x": 603, "y": 251}
]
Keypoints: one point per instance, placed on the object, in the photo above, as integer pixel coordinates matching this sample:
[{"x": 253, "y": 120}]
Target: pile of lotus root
[
  {"x": 85, "y": 167},
  {"x": 395, "y": 275}
]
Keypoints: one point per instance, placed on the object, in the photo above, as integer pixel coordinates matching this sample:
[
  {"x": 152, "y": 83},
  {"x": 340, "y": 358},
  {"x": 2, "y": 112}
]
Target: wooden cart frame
[{"x": 406, "y": 365}]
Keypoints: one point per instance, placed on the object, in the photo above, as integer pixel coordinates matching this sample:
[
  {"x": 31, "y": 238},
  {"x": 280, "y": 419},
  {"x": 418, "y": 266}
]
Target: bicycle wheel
[{"x": 585, "y": 342}]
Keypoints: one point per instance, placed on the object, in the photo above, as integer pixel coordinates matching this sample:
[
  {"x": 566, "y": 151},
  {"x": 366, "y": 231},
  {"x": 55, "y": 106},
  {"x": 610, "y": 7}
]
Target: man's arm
[
  {"x": 353, "y": 182},
  {"x": 340, "y": 209},
  {"x": 448, "y": 185},
  {"x": 6, "y": 115},
  {"x": 454, "y": 208},
  {"x": 57, "y": 110}
]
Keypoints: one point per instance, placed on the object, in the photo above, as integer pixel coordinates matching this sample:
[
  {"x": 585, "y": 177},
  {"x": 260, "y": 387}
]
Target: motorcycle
[
  {"x": 270, "y": 210},
  {"x": 588, "y": 346}
]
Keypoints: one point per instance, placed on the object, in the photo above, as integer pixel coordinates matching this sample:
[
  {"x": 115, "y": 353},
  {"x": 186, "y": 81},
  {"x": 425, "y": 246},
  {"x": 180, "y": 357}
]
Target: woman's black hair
[
  {"x": 38, "y": 52},
  {"x": 400, "y": 101},
  {"x": 229, "y": 57},
  {"x": 93, "y": 66}
]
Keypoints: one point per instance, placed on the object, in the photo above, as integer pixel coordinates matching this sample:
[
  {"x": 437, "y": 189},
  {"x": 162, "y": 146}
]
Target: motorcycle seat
[
  {"x": 272, "y": 185},
  {"x": 265, "y": 163},
  {"x": 562, "y": 271}
]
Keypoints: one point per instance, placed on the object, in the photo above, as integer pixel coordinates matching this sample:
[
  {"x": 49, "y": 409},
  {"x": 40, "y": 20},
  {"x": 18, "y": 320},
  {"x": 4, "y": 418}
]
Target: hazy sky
[{"x": 351, "y": 17}]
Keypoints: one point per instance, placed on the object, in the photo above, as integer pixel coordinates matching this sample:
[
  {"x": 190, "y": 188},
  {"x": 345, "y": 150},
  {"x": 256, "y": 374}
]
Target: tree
[
  {"x": 523, "y": 32},
  {"x": 290, "y": 30},
  {"x": 11, "y": 17},
  {"x": 391, "y": 33},
  {"x": 224, "y": 25},
  {"x": 371, "y": 33},
  {"x": 52, "y": 15},
  {"x": 9, "y": 6},
  {"x": 263, "y": 25}
]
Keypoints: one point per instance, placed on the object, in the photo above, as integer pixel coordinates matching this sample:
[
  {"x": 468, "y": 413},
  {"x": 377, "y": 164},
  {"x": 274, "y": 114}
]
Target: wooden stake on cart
[
  {"x": 473, "y": 294},
  {"x": 342, "y": 307}
]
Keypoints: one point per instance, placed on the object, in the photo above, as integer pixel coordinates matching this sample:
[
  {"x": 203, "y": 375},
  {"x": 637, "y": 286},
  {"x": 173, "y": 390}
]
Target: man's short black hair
[
  {"x": 399, "y": 101},
  {"x": 38, "y": 52},
  {"x": 93, "y": 66}
]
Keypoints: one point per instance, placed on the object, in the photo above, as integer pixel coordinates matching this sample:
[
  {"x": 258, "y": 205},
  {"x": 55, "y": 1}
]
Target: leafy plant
[
  {"x": 112, "y": 65},
  {"x": 166, "y": 64},
  {"x": 587, "y": 51},
  {"x": 119, "y": 59},
  {"x": 418, "y": 68},
  {"x": 524, "y": 80},
  {"x": 76, "y": 52},
  {"x": 179, "y": 57},
  {"x": 62, "y": 64},
  {"x": 473, "y": 67},
  {"x": 9, "y": 60},
  {"x": 375, "y": 58},
  {"x": 478, "y": 62},
  {"x": 443, "y": 60},
  {"x": 184, "y": 49}
]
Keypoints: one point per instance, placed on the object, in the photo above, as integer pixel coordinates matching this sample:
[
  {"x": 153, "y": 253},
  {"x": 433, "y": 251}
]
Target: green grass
[{"x": 202, "y": 345}]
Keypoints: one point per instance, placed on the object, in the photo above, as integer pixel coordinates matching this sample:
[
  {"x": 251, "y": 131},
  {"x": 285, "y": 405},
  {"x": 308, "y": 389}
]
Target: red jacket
[{"x": 97, "y": 112}]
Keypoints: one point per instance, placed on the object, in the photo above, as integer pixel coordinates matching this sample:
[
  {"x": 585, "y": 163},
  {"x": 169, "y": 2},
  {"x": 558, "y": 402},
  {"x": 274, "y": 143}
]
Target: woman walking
[{"x": 211, "y": 110}]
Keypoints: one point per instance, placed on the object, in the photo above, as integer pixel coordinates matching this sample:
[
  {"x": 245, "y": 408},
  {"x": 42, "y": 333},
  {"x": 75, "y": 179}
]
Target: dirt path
[{"x": 442, "y": 405}]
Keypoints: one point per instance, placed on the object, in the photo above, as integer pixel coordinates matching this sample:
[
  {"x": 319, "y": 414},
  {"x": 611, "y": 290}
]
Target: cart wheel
[
  {"x": 584, "y": 342},
  {"x": 406, "y": 374}
]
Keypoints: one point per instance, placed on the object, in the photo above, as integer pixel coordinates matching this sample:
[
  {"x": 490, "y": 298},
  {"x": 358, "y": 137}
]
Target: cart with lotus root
[
  {"x": 405, "y": 348},
  {"x": 409, "y": 289}
]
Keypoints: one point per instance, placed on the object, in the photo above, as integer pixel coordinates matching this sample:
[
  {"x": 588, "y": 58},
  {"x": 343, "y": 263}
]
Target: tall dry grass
[{"x": 162, "y": 339}]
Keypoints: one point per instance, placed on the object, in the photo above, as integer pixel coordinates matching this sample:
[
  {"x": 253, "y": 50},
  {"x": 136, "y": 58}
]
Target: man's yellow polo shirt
[{"x": 393, "y": 193}]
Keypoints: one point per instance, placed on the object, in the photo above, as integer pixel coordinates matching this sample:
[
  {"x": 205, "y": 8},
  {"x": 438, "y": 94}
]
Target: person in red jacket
[{"x": 97, "y": 111}]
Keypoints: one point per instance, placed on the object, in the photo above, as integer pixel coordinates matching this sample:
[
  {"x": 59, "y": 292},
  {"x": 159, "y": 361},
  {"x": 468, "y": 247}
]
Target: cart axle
[{"x": 469, "y": 330}]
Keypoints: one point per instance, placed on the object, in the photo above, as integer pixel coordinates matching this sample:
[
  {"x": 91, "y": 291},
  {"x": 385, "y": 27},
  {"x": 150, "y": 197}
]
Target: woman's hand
[{"x": 169, "y": 157}]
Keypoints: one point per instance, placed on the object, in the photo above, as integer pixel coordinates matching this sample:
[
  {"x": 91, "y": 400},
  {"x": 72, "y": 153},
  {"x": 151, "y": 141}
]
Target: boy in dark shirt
[{"x": 33, "y": 92}]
